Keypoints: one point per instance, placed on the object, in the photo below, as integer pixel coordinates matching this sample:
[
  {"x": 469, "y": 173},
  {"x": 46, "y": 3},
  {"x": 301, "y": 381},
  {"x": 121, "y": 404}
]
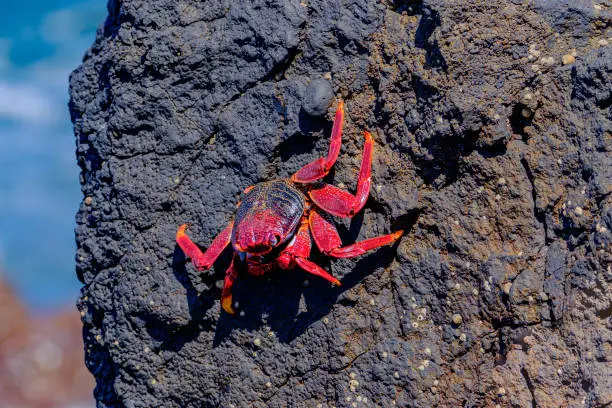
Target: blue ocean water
[{"x": 41, "y": 42}]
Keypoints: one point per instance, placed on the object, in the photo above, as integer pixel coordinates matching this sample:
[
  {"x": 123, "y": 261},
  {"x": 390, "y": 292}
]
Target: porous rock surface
[{"x": 492, "y": 150}]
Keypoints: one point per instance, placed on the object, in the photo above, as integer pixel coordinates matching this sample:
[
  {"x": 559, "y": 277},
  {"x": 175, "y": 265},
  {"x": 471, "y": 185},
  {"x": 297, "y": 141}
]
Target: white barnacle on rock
[
  {"x": 568, "y": 59},
  {"x": 457, "y": 319},
  {"x": 548, "y": 60},
  {"x": 486, "y": 286}
]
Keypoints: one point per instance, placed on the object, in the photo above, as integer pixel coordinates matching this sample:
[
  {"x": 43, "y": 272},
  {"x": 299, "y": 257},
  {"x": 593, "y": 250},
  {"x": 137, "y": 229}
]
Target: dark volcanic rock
[{"x": 491, "y": 151}]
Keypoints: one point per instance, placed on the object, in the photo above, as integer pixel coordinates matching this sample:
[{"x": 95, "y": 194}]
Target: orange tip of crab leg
[
  {"x": 190, "y": 249},
  {"x": 226, "y": 304},
  {"x": 181, "y": 231},
  {"x": 226, "y": 296}
]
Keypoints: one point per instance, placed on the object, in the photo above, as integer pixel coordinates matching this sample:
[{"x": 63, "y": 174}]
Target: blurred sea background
[{"x": 41, "y": 42}]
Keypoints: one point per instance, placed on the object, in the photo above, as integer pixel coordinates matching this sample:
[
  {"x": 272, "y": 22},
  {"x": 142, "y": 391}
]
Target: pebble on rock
[
  {"x": 317, "y": 97},
  {"x": 457, "y": 319},
  {"x": 568, "y": 59}
]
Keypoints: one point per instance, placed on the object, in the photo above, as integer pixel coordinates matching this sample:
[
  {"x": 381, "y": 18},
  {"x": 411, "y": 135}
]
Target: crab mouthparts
[
  {"x": 257, "y": 250},
  {"x": 257, "y": 244}
]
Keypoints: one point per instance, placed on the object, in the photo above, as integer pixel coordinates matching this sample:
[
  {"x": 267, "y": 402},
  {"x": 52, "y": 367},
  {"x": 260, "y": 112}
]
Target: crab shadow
[
  {"x": 201, "y": 295},
  {"x": 286, "y": 302}
]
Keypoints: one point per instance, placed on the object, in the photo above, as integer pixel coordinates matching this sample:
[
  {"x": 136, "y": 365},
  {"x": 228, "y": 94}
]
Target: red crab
[{"x": 275, "y": 220}]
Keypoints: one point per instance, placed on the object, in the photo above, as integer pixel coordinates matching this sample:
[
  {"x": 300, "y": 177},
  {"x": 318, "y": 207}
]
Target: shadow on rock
[
  {"x": 287, "y": 301},
  {"x": 201, "y": 297},
  {"x": 290, "y": 301}
]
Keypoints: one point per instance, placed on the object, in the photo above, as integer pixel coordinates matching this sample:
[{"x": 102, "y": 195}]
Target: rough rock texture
[{"x": 493, "y": 133}]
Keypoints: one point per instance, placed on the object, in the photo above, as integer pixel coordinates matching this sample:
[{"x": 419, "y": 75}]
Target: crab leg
[
  {"x": 298, "y": 251},
  {"x": 328, "y": 241},
  {"x": 339, "y": 202},
  {"x": 315, "y": 269},
  {"x": 319, "y": 168},
  {"x": 203, "y": 261},
  {"x": 300, "y": 246},
  {"x": 226, "y": 296}
]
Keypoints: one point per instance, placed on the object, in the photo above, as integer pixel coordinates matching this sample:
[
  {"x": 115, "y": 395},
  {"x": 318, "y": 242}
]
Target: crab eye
[{"x": 275, "y": 239}]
